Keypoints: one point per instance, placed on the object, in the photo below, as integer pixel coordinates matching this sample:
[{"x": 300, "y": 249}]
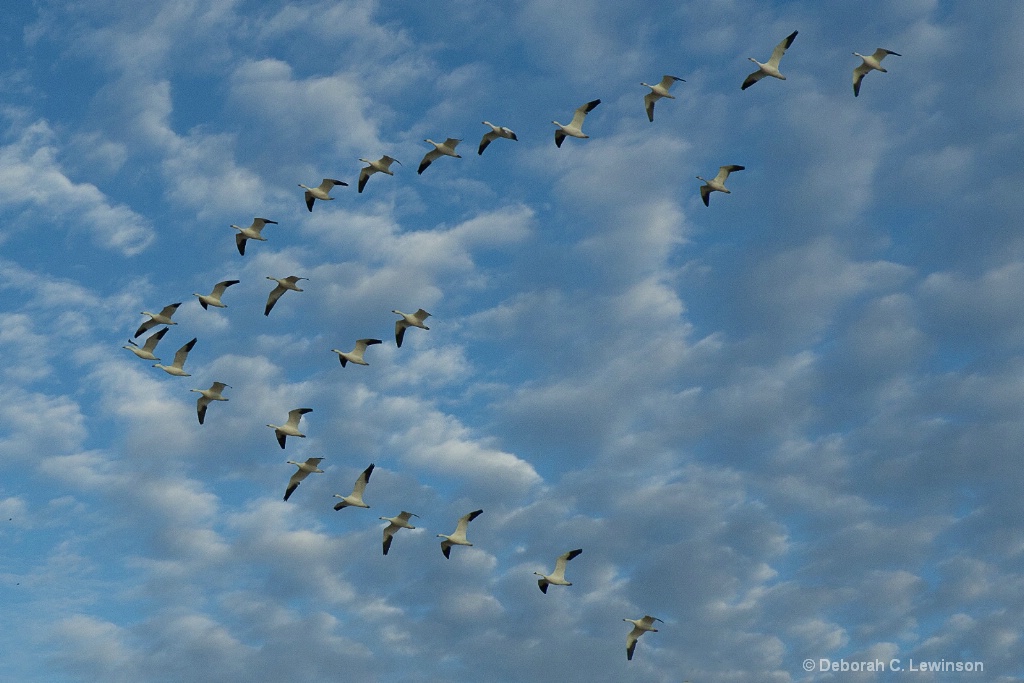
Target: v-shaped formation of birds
[{"x": 322, "y": 192}]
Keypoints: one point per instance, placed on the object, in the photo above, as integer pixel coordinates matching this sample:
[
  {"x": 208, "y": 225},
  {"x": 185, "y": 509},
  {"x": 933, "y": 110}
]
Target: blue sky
[{"x": 787, "y": 424}]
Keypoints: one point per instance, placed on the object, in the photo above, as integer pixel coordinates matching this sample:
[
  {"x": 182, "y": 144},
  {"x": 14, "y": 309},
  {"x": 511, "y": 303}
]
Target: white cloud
[{"x": 31, "y": 177}]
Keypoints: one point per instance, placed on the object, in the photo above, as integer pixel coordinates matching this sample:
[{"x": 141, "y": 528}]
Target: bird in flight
[
  {"x": 717, "y": 184},
  {"x": 771, "y": 67},
  {"x": 305, "y": 469},
  {"x": 446, "y": 148},
  {"x": 658, "y": 90},
  {"x": 872, "y": 62},
  {"x": 557, "y": 577},
  {"x": 458, "y": 537},
  {"x": 640, "y": 627},
  {"x": 291, "y": 427},
  {"x": 575, "y": 127},
  {"x": 321, "y": 192}
]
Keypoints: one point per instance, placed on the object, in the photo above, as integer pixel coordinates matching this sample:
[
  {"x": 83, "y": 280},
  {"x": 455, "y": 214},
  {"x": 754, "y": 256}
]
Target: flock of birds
[{"x": 574, "y": 128}]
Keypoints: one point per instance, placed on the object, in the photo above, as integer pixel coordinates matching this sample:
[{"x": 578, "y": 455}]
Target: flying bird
[
  {"x": 575, "y": 127},
  {"x": 557, "y": 577},
  {"x": 283, "y": 285},
  {"x": 382, "y": 165},
  {"x": 869, "y": 63},
  {"x": 640, "y": 627},
  {"x": 458, "y": 537},
  {"x": 161, "y": 318},
  {"x": 305, "y": 469},
  {"x": 446, "y": 148},
  {"x": 717, "y": 184},
  {"x": 396, "y": 523},
  {"x": 213, "y": 298},
  {"x": 658, "y": 90},
  {"x": 495, "y": 133},
  {"x": 207, "y": 395},
  {"x": 176, "y": 368},
  {"x": 771, "y": 67},
  {"x": 409, "y": 320},
  {"x": 356, "y": 354},
  {"x": 355, "y": 498},
  {"x": 253, "y": 232},
  {"x": 146, "y": 352},
  {"x": 291, "y": 427},
  {"x": 322, "y": 191}
]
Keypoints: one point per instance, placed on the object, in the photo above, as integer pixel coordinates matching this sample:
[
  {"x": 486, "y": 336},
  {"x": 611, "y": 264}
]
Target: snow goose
[
  {"x": 291, "y": 427},
  {"x": 305, "y": 469},
  {"x": 382, "y": 165},
  {"x": 870, "y": 62},
  {"x": 211, "y": 394},
  {"x": 396, "y": 523},
  {"x": 717, "y": 184},
  {"x": 283, "y": 285},
  {"x": 355, "y": 498},
  {"x": 640, "y": 627},
  {"x": 557, "y": 577},
  {"x": 658, "y": 90},
  {"x": 575, "y": 127},
  {"x": 409, "y": 320},
  {"x": 458, "y": 537},
  {"x": 446, "y": 148},
  {"x": 180, "y": 356},
  {"x": 771, "y": 67},
  {"x": 495, "y": 133},
  {"x": 161, "y": 318},
  {"x": 146, "y": 352},
  {"x": 356, "y": 354},
  {"x": 322, "y": 191},
  {"x": 213, "y": 298},
  {"x": 253, "y": 232}
]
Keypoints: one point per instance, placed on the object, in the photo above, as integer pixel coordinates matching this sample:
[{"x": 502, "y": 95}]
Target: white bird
[
  {"x": 446, "y": 148},
  {"x": 305, "y": 469},
  {"x": 322, "y": 191},
  {"x": 283, "y": 285},
  {"x": 658, "y": 90},
  {"x": 771, "y": 67},
  {"x": 253, "y": 232},
  {"x": 557, "y": 577},
  {"x": 161, "y": 318},
  {"x": 382, "y": 165},
  {"x": 495, "y": 133},
  {"x": 180, "y": 356},
  {"x": 640, "y": 627},
  {"x": 575, "y": 127},
  {"x": 409, "y": 320},
  {"x": 870, "y": 62},
  {"x": 717, "y": 184},
  {"x": 291, "y": 427},
  {"x": 458, "y": 537},
  {"x": 356, "y": 354},
  {"x": 146, "y": 352},
  {"x": 213, "y": 298},
  {"x": 396, "y": 523},
  {"x": 211, "y": 394},
  {"x": 355, "y": 498}
]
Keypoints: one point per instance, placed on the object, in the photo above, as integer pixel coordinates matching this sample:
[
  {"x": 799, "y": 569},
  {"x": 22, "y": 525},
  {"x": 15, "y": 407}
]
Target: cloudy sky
[{"x": 789, "y": 424}]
